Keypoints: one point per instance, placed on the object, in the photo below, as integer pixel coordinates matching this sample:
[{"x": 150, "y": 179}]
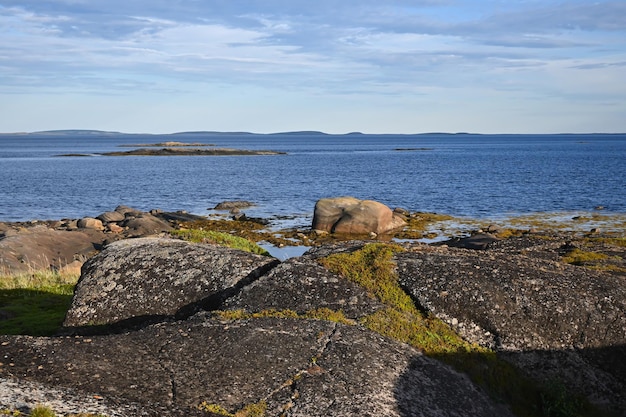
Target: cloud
[{"x": 364, "y": 50}]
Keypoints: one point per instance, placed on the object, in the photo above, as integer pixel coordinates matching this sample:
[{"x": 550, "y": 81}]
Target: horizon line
[{"x": 295, "y": 132}]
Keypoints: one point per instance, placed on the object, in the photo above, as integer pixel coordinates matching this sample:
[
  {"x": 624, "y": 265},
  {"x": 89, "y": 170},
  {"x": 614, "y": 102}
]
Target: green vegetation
[
  {"x": 219, "y": 238},
  {"x": 42, "y": 411},
  {"x": 317, "y": 314},
  {"x": 373, "y": 268},
  {"x": 557, "y": 402},
  {"x": 579, "y": 257},
  {"x": 252, "y": 410},
  {"x": 419, "y": 223},
  {"x": 35, "y": 303},
  {"x": 248, "y": 229}
]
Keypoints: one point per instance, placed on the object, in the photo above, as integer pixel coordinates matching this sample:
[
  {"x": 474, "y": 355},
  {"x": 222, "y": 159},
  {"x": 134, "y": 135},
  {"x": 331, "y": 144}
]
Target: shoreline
[{"x": 570, "y": 221}]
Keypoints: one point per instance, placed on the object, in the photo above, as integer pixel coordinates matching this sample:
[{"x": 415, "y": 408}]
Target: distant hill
[{"x": 76, "y": 132}]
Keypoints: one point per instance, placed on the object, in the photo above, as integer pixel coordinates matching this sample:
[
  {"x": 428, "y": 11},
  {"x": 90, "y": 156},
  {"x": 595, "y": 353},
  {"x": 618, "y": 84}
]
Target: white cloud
[{"x": 402, "y": 53}]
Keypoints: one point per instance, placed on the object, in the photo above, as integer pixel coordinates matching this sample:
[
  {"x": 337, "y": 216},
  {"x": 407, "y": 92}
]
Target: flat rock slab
[
  {"x": 297, "y": 367},
  {"x": 137, "y": 279},
  {"x": 302, "y": 285},
  {"x": 40, "y": 247}
]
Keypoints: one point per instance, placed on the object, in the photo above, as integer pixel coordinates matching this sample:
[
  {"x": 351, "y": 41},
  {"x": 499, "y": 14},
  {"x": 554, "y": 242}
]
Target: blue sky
[{"x": 374, "y": 66}]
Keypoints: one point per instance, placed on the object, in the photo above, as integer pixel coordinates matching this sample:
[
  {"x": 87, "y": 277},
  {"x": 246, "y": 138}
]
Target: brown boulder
[
  {"x": 144, "y": 224},
  {"x": 90, "y": 223},
  {"x": 111, "y": 216},
  {"x": 348, "y": 215},
  {"x": 40, "y": 247}
]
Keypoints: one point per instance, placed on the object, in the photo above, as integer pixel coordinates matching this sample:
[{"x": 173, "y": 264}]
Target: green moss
[
  {"x": 248, "y": 229},
  {"x": 556, "y": 401},
  {"x": 373, "y": 268},
  {"x": 419, "y": 223},
  {"x": 252, "y": 410},
  {"x": 579, "y": 257},
  {"x": 317, "y": 314},
  {"x": 219, "y": 238},
  {"x": 214, "y": 408},
  {"x": 613, "y": 241}
]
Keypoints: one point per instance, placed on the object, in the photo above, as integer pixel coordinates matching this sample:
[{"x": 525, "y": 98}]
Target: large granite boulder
[
  {"x": 289, "y": 367},
  {"x": 515, "y": 302},
  {"x": 90, "y": 223},
  {"x": 135, "y": 279},
  {"x": 553, "y": 320},
  {"x": 348, "y": 215}
]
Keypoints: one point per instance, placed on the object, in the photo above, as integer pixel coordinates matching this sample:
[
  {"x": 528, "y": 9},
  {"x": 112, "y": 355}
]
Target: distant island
[
  {"x": 184, "y": 151},
  {"x": 179, "y": 149},
  {"x": 166, "y": 145}
]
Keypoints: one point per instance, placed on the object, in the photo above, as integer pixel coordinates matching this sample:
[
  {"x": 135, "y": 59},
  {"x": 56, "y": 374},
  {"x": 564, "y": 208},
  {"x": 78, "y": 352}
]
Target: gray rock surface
[
  {"x": 302, "y": 285},
  {"x": 139, "y": 278},
  {"x": 553, "y": 320},
  {"x": 516, "y": 302},
  {"x": 297, "y": 367},
  {"x": 111, "y": 216}
]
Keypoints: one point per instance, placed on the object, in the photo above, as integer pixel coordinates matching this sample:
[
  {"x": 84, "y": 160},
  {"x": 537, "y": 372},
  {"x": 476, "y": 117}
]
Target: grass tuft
[
  {"x": 35, "y": 303},
  {"x": 42, "y": 411}
]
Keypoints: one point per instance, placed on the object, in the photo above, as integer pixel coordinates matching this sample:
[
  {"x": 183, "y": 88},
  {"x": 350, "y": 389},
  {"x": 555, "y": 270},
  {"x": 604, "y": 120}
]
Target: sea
[{"x": 469, "y": 175}]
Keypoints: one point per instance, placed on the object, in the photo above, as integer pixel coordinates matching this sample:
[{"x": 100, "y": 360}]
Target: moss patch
[
  {"x": 248, "y": 229},
  {"x": 219, "y": 238},
  {"x": 317, "y": 314},
  {"x": 252, "y": 410},
  {"x": 579, "y": 257},
  {"x": 373, "y": 268}
]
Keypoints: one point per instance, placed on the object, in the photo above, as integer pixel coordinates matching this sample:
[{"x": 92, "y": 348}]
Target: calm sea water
[{"x": 480, "y": 176}]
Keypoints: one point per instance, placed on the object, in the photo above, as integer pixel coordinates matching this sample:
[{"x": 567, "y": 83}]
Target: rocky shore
[{"x": 481, "y": 326}]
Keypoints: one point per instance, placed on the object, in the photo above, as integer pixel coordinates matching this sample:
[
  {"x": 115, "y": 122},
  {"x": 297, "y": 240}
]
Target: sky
[{"x": 338, "y": 66}]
